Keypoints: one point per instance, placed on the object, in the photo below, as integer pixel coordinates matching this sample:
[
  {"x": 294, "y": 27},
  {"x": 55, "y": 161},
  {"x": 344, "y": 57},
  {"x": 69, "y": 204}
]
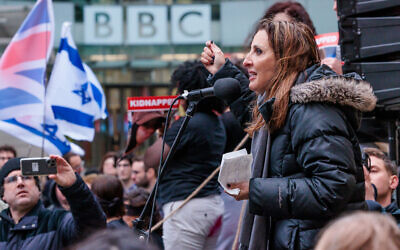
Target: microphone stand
[{"x": 138, "y": 223}]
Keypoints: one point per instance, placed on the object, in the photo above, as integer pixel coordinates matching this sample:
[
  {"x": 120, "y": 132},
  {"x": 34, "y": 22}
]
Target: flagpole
[
  {"x": 29, "y": 150},
  {"x": 44, "y": 94},
  {"x": 44, "y": 114}
]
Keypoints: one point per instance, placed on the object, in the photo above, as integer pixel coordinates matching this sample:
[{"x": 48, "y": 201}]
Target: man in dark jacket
[
  {"x": 26, "y": 224},
  {"x": 383, "y": 174}
]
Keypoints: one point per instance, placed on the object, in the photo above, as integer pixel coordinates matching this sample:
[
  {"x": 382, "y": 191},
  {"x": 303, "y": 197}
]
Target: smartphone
[
  {"x": 38, "y": 166},
  {"x": 366, "y": 161}
]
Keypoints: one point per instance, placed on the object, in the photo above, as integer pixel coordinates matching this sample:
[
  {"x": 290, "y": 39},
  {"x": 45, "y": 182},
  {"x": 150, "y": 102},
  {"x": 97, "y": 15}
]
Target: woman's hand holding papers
[{"x": 244, "y": 190}]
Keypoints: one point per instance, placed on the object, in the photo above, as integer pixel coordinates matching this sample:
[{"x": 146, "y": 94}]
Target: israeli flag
[
  {"x": 40, "y": 132},
  {"x": 73, "y": 93}
]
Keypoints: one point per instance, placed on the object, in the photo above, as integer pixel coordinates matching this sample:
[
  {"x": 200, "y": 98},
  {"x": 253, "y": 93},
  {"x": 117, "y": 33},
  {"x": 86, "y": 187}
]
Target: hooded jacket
[{"x": 314, "y": 166}]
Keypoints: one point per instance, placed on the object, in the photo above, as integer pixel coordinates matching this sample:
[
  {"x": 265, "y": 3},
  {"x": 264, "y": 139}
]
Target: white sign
[
  {"x": 190, "y": 24},
  {"x": 147, "y": 25},
  {"x": 103, "y": 25}
]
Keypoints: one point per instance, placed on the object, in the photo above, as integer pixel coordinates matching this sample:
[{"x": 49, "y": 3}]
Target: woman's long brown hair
[{"x": 295, "y": 50}]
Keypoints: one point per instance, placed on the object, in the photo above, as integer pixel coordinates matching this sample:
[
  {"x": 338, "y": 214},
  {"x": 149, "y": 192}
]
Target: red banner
[
  {"x": 151, "y": 103},
  {"x": 327, "y": 39}
]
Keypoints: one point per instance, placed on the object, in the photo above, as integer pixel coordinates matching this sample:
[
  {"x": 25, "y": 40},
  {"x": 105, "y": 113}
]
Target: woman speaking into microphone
[{"x": 302, "y": 117}]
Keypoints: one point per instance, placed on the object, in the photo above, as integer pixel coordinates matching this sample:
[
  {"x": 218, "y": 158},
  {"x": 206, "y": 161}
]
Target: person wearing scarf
[{"x": 307, "y": 166}]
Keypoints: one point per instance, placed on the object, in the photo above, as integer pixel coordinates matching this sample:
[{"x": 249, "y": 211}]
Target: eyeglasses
[{"x": 14, "y": 178}]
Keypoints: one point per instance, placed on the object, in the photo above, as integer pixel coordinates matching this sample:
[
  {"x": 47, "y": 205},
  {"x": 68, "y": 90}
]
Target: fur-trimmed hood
[
  {"x": 341, "y": 90},
  {"x": 338, "y": 90}
]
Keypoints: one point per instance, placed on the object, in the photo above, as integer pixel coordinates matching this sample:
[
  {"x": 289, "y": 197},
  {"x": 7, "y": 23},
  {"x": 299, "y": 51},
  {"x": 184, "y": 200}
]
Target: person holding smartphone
[{"x": 26, "y": 224}]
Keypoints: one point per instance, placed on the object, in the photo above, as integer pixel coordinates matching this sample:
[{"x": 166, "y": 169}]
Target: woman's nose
[{"x": 247, "y": 61}]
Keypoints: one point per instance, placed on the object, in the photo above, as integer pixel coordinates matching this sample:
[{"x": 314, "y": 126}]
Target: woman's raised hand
[{"x": 212, "y": 57}]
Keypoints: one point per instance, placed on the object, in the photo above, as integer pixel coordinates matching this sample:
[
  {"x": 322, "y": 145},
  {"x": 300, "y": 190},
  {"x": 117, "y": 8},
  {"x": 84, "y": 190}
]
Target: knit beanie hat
[{"x": 11, "y": 165}]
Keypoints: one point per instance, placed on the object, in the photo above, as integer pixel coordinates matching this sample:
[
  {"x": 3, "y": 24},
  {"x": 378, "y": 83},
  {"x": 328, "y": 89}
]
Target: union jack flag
[{"x": 23, "y": 64}]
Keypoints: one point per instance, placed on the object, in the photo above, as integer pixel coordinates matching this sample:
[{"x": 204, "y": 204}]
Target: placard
[{"x": 151, "y": 103}]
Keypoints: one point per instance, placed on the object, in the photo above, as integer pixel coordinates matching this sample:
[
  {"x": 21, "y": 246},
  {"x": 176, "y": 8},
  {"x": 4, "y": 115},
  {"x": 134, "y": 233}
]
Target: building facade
[{"x": 134, "y": 46}]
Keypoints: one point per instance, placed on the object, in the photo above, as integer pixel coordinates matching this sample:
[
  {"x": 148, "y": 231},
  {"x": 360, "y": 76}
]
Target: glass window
[{"x": 141, "y": 76}]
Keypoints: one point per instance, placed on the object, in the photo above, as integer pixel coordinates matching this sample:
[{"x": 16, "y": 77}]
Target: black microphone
[{"x": 227, "y": 89}]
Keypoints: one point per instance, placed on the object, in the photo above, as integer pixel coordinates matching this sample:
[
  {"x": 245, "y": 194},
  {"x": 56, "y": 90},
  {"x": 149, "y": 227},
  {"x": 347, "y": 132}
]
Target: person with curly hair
[{"x": 196, "y": 156}]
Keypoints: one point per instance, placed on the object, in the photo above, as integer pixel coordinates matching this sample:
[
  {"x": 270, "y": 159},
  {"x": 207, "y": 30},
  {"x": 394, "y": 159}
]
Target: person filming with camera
[
  {"x": 381, "y": 180},
  {"x": 26, "y": 224}
]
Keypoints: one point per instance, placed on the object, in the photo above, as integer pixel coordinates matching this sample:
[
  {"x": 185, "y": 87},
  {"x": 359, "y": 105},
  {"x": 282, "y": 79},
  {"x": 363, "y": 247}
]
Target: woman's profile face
[{"x": 260, "y": 62}]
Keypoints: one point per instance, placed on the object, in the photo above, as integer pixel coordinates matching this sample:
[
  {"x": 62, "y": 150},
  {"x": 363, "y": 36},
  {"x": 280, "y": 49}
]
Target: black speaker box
[
  {"x": 348, "y": 8},
  {"x": 369, "y": 38},
  {"x": 366, "y": 37}
]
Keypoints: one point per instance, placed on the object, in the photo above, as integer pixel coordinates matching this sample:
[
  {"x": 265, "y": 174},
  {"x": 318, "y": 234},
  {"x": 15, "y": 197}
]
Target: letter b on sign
[
  {"x": 103, "y": 25},
  {"x": 103, "y": 28},
  {"x": 147, "y": 25}
]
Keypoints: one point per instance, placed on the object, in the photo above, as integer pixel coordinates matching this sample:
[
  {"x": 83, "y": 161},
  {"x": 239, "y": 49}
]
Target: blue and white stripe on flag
[
  {"x": 74, "y": 94},
  {"x": 32, "y": 130}
]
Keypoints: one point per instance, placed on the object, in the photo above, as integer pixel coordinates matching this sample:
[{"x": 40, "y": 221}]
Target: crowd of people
[{"x": 313, "y": 185}]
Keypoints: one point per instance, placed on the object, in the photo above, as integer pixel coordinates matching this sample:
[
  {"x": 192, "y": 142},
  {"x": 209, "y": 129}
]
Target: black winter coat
[
  {"x": 42, "y": 228},
  {"x": 314, "y": 169}
]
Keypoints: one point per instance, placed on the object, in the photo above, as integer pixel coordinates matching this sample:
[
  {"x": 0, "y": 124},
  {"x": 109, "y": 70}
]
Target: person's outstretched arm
[{"x": 86, "y": 212}]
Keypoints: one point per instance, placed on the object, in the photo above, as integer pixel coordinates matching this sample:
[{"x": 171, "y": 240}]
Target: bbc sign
[{"x": 190, "y": 24}]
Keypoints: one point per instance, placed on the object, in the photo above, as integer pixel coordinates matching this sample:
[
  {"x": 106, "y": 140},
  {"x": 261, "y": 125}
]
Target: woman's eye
[{"x": 258, "y": 51}]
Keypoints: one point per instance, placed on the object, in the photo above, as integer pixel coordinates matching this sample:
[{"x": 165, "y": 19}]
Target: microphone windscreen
[{"x": 227, "y": 89}]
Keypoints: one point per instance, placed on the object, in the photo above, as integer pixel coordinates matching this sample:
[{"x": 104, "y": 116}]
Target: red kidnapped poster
[{"x": 151, "y": 103}]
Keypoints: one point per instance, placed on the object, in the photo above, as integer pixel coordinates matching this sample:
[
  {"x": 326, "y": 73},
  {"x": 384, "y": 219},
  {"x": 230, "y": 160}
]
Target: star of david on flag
[
  {"x": 83, "y": 93},
  {"x": 74, "y": 93}
]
